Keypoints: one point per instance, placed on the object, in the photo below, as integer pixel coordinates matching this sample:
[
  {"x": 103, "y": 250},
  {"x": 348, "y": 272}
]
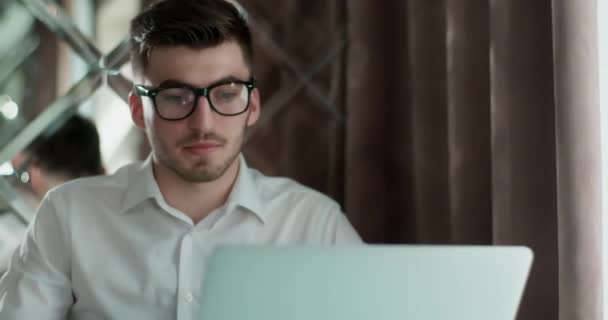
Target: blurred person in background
[{"x": 69, "y": 153}]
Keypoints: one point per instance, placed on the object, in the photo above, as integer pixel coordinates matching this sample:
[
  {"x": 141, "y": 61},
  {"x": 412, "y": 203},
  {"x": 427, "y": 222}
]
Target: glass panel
[
  {"x": 50, "y": 68},
  {"x": 38, "y": 64}
]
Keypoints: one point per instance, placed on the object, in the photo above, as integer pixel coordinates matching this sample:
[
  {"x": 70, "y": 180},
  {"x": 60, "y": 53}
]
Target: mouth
[{"x": 201, "y": 148}]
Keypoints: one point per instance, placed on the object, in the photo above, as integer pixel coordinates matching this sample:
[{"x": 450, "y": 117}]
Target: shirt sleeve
[
  {"x": 345, "y": 233},
  {"x": 37, "y": 283}
]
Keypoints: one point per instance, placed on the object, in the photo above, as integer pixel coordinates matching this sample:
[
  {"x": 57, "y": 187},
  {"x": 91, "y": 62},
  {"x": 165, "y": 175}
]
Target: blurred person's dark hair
[
  {"x": 72, "y": 151},
  {"x": 201, "y": 24}
]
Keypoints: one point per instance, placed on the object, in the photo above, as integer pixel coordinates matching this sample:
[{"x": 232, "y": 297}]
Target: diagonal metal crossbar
[
  {"x": 16, "y": 57},
  {"x": 61, "y": 24},
  {"x": 305, "y": 78},
  {"x": 100, "y": 68},
  {"x": 59, "y": 110},
  {"x": 279, "y": 101}
]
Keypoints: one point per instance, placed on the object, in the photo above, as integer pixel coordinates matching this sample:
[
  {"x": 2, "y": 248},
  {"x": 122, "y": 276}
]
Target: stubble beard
[{"x": 202, "y": 170}]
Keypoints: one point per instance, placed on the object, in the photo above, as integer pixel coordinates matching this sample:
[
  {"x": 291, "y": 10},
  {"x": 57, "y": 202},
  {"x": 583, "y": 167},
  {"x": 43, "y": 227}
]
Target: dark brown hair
[
  {"x": 72, "y": 150},
  {"x": 192, "y": 23}
]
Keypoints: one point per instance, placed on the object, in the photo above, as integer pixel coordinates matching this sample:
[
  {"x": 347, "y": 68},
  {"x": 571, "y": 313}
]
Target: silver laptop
[{"x": 365, "y": 283}]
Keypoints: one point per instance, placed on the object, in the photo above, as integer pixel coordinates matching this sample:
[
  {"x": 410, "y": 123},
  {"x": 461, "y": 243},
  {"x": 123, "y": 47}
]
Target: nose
[{"x": 202, "y": 118}]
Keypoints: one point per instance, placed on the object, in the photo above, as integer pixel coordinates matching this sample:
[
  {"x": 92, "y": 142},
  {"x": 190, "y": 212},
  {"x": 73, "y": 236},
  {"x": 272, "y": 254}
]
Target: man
[{"x": 135, "y": 245}]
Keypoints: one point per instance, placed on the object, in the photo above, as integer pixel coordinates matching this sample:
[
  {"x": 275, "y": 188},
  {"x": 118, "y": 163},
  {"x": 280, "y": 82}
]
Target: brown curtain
[{"x": 464, "y": 122}]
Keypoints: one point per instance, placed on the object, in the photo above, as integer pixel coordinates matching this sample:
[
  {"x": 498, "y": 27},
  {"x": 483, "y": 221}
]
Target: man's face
[{"x": 201, "y": 147}]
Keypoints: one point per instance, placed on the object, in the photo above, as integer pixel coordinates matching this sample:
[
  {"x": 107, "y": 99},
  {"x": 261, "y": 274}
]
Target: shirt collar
[
  {"x": 245, "y": 193},
  {"x": 142, "y": 186}
]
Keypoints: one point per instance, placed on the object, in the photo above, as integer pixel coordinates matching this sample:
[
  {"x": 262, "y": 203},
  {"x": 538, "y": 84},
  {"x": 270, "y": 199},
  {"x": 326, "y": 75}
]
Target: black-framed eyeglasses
[{"x": 178, "y": 101}]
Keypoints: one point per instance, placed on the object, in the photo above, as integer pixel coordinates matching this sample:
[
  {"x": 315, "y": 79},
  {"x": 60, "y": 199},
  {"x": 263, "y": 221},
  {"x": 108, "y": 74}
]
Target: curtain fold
[
  {"x": 429, "y": 127},
  {"x": 523, "y": 144},
  {"x": 579, "y": 169},
  {"x": 369, "y": 78},
  {"x": 469, "y": 125}
]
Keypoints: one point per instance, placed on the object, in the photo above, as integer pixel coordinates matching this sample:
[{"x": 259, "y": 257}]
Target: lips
[{"x": 201, "y": 148}]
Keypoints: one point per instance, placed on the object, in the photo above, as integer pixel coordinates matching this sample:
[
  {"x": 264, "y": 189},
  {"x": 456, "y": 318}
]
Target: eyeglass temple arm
[{"x": 141, "y": 91}]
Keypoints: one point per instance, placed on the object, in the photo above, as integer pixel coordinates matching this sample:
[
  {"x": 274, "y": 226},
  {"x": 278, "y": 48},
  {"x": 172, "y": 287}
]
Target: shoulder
[
  {"x": 286, "y": 191},
  {"x": 290, "y": 202},
  {"x": 88, "y": 191},
  {"x": 307, "y": 214}
]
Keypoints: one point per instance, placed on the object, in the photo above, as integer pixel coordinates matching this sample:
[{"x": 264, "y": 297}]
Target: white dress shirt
[{"x": 112, "y": 248}]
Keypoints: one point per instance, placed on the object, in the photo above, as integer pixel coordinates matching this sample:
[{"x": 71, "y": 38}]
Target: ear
[
  {"x": 19, "y": 159},
  {"x": 37, "y": 180},
  {"x": 254, "y": 107},
  {"x": 137, "y": 110}
]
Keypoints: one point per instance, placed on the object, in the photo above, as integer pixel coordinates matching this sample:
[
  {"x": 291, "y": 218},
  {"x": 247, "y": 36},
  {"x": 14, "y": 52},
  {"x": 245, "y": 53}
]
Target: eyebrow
[{"x": 172, "y": 83}]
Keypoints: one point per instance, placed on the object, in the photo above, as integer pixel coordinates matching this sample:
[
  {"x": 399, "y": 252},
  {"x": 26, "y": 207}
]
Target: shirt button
[{"x": 188, "y": 297}]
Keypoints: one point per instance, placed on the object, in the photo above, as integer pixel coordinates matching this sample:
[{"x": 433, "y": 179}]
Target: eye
[
  {"x": 227, "y": 93},
  {"x": 174, "y": 96}
]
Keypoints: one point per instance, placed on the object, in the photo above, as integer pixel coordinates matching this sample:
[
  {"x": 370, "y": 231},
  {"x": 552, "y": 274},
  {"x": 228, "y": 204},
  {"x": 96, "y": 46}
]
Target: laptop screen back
[{"x": 363, "y": 283}]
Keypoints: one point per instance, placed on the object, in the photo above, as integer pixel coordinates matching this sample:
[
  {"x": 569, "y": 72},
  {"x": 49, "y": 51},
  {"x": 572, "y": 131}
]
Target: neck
[
  {"x": 47, "y": 181},
  {"x": 195, "y": 199}
]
